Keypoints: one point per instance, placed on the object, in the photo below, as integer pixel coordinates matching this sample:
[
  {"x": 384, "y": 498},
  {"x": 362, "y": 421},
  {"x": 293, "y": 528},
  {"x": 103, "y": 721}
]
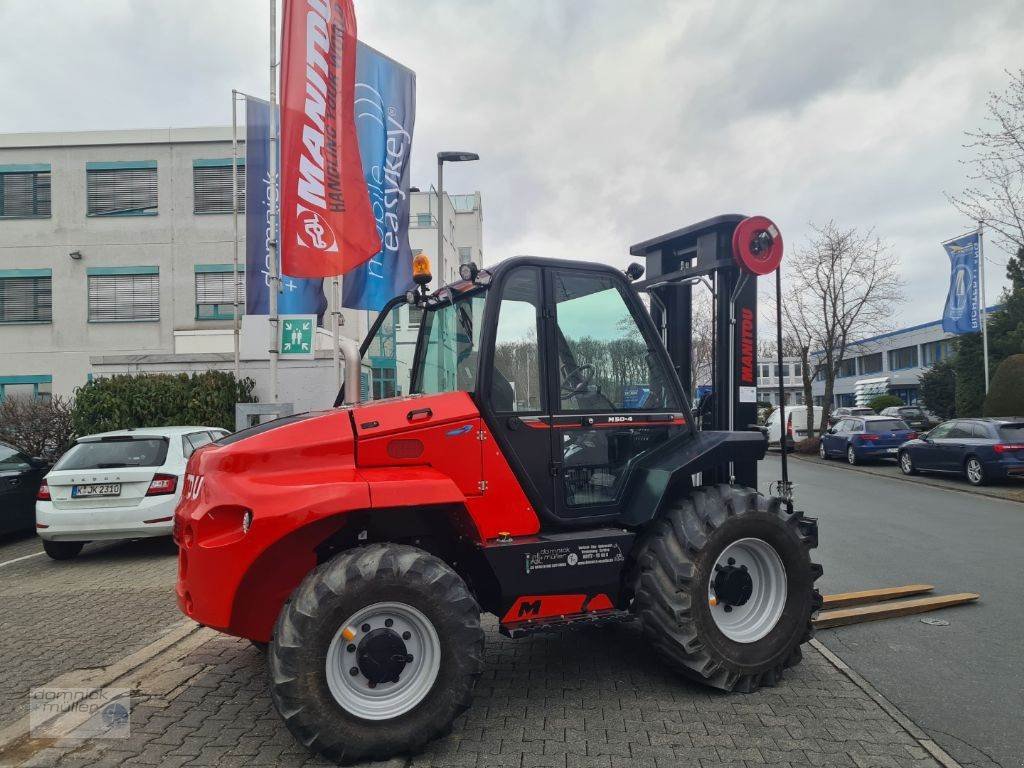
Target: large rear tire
[
  {"x": 376, "y": 653},
  {"x": 696, "y": 554}
]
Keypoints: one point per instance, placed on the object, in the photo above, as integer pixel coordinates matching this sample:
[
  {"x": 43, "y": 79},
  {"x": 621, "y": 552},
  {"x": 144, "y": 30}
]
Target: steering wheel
[{"x": 582, "y": 374}]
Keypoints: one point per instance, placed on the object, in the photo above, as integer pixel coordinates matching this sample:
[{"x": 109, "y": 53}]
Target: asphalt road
[{"x": 962, "y": 683}]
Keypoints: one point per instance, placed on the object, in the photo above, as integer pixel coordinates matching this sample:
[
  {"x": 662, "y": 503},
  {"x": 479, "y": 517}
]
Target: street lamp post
[{"x": 442, "y": 158}]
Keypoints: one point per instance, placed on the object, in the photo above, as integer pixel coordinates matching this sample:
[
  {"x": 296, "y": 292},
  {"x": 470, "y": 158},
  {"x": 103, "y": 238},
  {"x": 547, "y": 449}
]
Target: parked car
[
  {"x": 916, "y": 416},
  {"x": 979, "y": 449},
  {"x": 116, "y": 485},
  {"x": 20, "y": 476},
  {"x": 846, "y": 411},
  {"x": 859, "y": 438},
  {"x": 796, "y": 425}
]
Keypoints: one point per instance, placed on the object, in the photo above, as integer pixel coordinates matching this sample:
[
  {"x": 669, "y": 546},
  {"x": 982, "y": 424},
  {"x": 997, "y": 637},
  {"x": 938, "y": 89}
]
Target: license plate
[{"x": 103, "y": 489}]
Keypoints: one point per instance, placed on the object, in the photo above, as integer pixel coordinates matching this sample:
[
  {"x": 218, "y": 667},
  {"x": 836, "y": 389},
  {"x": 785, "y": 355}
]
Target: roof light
[{"x": 421, "y": 269}]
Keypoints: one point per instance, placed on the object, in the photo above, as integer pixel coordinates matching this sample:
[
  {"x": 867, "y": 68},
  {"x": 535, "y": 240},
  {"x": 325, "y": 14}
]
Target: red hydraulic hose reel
[{"x": 757, "y": 245}]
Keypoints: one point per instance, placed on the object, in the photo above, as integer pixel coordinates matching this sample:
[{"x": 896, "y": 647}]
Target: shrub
[
  {"x": 37, "y": 427},
  {"x": 160, "y": 400},
  {"x": 1006, "y": 390},
  {"x": 879, "y": 402},
  {"x": 938, "y": 389},
  {"x": 808, "y": 445}
]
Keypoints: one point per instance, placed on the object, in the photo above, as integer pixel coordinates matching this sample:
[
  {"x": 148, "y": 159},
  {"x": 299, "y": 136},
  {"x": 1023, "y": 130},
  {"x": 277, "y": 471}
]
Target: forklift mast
[{"x": 724, "y": 254}]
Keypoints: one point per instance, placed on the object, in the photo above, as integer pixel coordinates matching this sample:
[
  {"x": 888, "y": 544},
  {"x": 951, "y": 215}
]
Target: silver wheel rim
[
  {"x": 905, "y": 462},
  {"x": 851, "y": 456},
  {"x": 821, "y": 450},
  {"x": 391, "y": 699},
  {"x": 758, "y": 616},
  {"x": 974, "y": 470}
]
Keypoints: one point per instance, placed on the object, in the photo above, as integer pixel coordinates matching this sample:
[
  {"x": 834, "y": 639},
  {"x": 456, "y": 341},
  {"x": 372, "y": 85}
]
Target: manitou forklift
[{"x": 519, "y": 443}]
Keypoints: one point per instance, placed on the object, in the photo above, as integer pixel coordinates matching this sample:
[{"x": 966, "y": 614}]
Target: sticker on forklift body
[
  {"x": 748, "y": 394},
  {"x": 573, "y": 556}
]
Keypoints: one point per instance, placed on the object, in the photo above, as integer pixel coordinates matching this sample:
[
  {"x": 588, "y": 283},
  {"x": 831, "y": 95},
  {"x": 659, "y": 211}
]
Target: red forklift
[{"x": 520, "y": 443}]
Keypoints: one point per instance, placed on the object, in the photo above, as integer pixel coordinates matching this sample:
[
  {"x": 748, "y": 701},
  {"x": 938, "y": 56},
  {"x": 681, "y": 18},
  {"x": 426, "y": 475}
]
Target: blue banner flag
[
  {"x": 298, "y": 296},
  {"x": 963, "y": 303},
  {"x": 385, "y": 101}
]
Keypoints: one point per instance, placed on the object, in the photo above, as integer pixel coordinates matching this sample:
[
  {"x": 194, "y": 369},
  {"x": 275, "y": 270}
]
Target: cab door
[{"x": 612, "y": 393}]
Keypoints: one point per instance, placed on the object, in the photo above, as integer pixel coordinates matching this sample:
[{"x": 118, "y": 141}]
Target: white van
[{"x": 796, "y": 424}]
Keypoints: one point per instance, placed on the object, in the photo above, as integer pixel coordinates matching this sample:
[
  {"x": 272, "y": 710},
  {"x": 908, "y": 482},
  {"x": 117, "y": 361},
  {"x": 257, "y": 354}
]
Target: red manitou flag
[{"x": 327, "y": 225}]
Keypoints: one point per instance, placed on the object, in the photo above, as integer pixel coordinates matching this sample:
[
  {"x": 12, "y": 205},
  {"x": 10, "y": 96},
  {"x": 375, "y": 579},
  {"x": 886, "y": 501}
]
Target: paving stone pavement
[
  {"x": 589, "y": 697},
  {"x": 91, "y": 611}
]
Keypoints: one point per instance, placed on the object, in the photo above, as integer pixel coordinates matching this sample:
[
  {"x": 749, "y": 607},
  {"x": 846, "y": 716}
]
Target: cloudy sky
[{"x": 599, "y": 123}]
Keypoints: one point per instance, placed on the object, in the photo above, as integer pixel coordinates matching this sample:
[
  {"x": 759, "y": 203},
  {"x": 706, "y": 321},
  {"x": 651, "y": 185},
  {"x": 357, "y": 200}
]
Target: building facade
[
  {"x": 890, "y": 363},
  {"x": 768, "y": 381},
  {"x": 116, "y": 252}
]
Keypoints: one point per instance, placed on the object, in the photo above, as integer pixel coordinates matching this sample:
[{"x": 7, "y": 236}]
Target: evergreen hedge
[
  {"x": 160, "y": 400},
  {"x": 1006, "y": 390}
]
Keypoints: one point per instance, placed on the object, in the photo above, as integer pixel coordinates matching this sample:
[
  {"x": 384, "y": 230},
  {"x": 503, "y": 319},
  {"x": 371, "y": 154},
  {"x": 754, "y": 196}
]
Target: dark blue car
[
  {"x": 860, "y": 438},
  {"x": 979, "y": 449}
]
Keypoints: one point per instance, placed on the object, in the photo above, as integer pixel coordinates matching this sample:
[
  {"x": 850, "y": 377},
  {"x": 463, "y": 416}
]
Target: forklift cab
[{"x": 564, "y": 364}]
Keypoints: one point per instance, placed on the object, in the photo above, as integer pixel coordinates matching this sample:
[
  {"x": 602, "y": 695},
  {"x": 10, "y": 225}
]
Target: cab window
[
  {"x": 516, "y": 380},
  {"x": 603, "y": 360},
  {"x": 448, "y": 348}
]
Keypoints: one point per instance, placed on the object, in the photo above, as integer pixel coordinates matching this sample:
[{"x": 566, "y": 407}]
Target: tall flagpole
[
  {"x": 234, "y": 220},
  {"x": 984, "y": 315},
  {"x": 275, "y": 278}
]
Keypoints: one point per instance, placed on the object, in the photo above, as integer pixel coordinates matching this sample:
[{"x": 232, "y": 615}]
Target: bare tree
[
  {"x": 842, "y": 286},
  {"x": 995, "y": 191},
  {"x": 702, "y": 335},
  {"x": 37, "y": 427}
]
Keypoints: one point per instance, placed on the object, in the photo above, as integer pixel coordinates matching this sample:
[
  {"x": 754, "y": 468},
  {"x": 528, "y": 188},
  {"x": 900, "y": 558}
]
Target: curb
[
  {"x": 927, "y": 744},
  {"x": 918, "y": 480}
]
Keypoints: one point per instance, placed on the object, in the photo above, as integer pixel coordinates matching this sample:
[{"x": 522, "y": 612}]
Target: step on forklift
[{"x": 519, "y": 443}]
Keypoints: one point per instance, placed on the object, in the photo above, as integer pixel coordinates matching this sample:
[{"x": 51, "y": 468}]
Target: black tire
[
  {"x": 259, "y": 645},
  {"x": 975, "y": 479},
  {"x": 62, "y": 550},
  {"x": 906, "y": 462},
  {"x": 851, "y": 456},
  {"x": 672, "y": 574},
  {"x": 315, "y": 613}
]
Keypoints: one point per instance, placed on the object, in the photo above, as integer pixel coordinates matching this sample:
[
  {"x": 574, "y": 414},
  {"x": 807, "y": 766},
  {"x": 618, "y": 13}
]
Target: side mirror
[
  {"x": 923, "y": 436},
  {"x": 831, "y": 430},
  {"x": 38, "y": 462}
]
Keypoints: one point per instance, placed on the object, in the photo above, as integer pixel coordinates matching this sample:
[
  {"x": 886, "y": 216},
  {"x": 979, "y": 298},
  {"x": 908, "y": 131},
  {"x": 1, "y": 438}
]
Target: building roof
[{"x": 133, "y": 136}]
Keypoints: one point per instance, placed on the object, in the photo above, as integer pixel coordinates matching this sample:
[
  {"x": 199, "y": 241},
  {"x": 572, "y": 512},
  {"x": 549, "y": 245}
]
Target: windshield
[
  {"x": 117, "y": 452},
  {"x": 425, "y": 351}
]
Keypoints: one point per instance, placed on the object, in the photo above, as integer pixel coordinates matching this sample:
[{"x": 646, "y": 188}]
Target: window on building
[
  {"x": 424, "y": 220},
  {"x": 121, "y": 188},
  {"x": 38, "y": 387},
  {"x": 934, "y": 351},
  {"x": 465, "y": 255},
  {"x": 848, "y": 367},
  {"x": 415, "y": 317},
  {"x": 26, "y": 296},
  {"x": 24, "y": 191},
  {"x": 798, "y": 370},
  {"x": 871, "y": 363},
  {"x": 215, "y": 292},
  {"x": 846, "y": 399},
  {"x": 211, "y": 186},
  {"x": 118, "y": 294},
  {"x": 905, "y": 357}
]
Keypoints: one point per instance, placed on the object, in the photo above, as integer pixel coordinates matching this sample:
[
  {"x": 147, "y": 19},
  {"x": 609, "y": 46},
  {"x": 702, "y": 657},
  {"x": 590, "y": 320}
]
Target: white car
[
  {"x": 796, "y": 425},
  {"x": 116, "y": 485}
]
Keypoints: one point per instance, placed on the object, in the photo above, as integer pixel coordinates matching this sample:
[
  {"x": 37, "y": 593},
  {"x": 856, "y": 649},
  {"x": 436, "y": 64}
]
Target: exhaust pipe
[{"x": 353, "y": 364}]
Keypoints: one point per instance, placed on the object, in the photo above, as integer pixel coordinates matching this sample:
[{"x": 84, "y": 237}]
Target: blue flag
[
  {"x": 385, "y": 101},
  {"x": 963, "y": 304},
  {"x": 298, "y": 296}
]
